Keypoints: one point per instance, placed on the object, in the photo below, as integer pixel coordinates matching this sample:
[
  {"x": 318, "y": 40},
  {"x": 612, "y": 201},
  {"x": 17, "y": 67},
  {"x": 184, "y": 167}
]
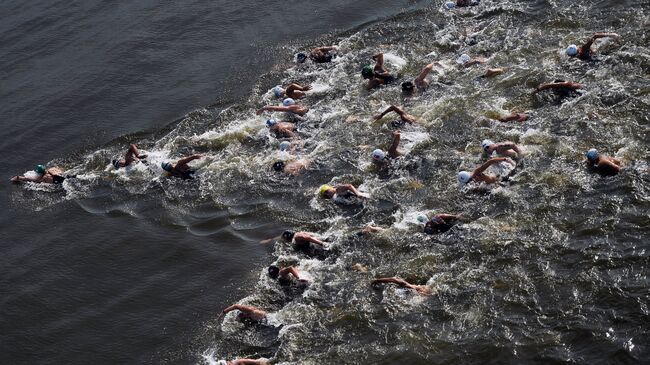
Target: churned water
[{"x": 549, "y": 267}]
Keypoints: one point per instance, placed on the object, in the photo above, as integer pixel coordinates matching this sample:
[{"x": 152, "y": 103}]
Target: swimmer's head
[
  {"x": 301, "y": 57},
  {"x": 285, "y": 145},
  {"x": 288, "y": 102},
  {"x": 274, "y": 271},
  {"x": 592, "y": 155},
  {"x": 572, "y": 50},
  {"x": 326, "y": 191},
  {"x": 167, "y": 166},
  {"x": 486, "y": 144},
  {"x": 464, "y": 177},
  {"x": 450, "y": 4},
  {"x": 367, "y": 72},
  {"x": 116, "y": 163},
  {"x": 422, "y": 219},
  {"x": 278, "y": 166},
  {"x": 288, "y": 235},
  {"x": 40, "y": 169},
  {"x": 408, "y": 87},
  {"x": 278, "y": 91},
  {"x": 378, "y": 155},
  {"x": 271, "y": 122},
  {"x": 463, "y": 59}
]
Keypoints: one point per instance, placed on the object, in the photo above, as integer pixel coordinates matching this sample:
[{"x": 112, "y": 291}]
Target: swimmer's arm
[
  {"x": 392, "y": 151},
  {"x": 299, "y": 87},
  {"x": 493, "y": 161},
  {"x": 379, "y": 60},
  {"x": 449, "y": 217},
  {"x": 290, "y": 270},
  {"x": 397, "y": 281},
  {"x": 425, "y": 71},
  {"x": 273, "y": 108},
  {"x": 326, "y": 48},
  {"x": 514, "y": 116},
  {"x": 559, "y": 85},
  {"x": 391, "y": 108},
  {"x": 315, "y": 240},
  {"x": 604, "y": 35},
  {"x": 248, "y": 362},
  {"x": 27, "y": 179},
  {"x": 184, "y": 161},
  {"x": 475, "y": 61},
  {"x": 610, "y": 163},
  {"x": 348, "y": 187}
]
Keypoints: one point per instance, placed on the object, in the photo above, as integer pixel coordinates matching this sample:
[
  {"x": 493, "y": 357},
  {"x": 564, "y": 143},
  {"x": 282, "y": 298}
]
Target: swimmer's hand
[
  {"x": 259, "y": 111},
  {"x": 15, "y": 179},
  {"x": 363, "y": 195}
]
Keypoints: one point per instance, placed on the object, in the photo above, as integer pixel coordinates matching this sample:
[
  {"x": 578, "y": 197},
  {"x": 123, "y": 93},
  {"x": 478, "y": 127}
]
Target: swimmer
[
  {"x": 294, "y": 167},
  {"x": 130, "y": 157},
  {"x": 506, "y": 149},
  {"x": 284, "y": 275},
  {"x": 561, "y": 86},
  {"x": 370, "y": 228},
  {"x": 377, "y": 75},
  {"x": 466, "y": 61},
  {"x": 603, "y": 164},
  {"x": 379, "y": 156},
  {"x": 301, "y": 240},
  {"x": 53, "y": 175},
  {"x": 403, "y": 115},
  {"x": 421, "y": 289},
  {"x": 247, "y": 312},
  {"x": 441, "y": 223},
  {"x": 408, "y": 87},
  {"x": 585, "y": 52},
  {"x": 461, "y": 3},
  {"x": 293, "y": 91},
  {"x": 281, "y": 129},
  {"x": 244, "y": 362},
  {"x": 288, "y": 105},
  {"x": 491, "y": 72},
  {"x": 180, "y": 168},
  {"x": 319, "y": 55},
  {"x": 478, "y": 175},
  {"x": 344, "y": 190},
  {"x": 517, "y": 117}
]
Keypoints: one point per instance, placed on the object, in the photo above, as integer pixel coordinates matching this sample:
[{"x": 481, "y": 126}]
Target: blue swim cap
[
  {"x": 422, "y": 218},
  {"x": 301, "y": 57},
  {"x": 378, "y": 155},
  {"x": 285, "y": 145},
  {"x": 40, "y": 169},
  {"x": 277, "y": 91},
  {"x": 288, "y": 102},
  {"x": 572, "y": 50},
  {"x": 463, "y": 59},
  {"x": 167, "y": 166},
  {"x": 450, "y": 4},
  {"x": 592, "y": 154},
  {"x": 271, "y": 122},
  {"x": 464, "y": 177}
]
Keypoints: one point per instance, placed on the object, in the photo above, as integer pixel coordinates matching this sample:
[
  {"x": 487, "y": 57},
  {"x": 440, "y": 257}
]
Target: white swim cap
[
  {"x": 464, "y": 177},
  {"x": 572, "y": 50},
  {"x": 592, "y": 154},
  {"x": 288, "y": 101},
  {"x": 285, "y": 145},
  {"x": 463, "y": 59},
  {"x": 450, "y": 4},
  {"x": 277, "y": 91},
  {"x": 422, "y": 218},
  {"x": 486, "y": 144},
  {"x": 270, "y": 123},
  {"x": 378, "y": 155}
]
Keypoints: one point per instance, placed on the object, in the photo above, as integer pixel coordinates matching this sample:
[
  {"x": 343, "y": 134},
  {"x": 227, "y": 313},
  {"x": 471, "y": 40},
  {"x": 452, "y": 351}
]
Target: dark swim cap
[
  {"x": 167, "y": 166},
  {"x": 278, "y": 166},
  {"x": 367, "y": 71},
  {"x": 288, "y": 235},
  {"x": 274, "y": 271},
  {"x": 116, "y": 164},
  {"x": 301, "y": 57},
  {"x": 408, "y": 86}
]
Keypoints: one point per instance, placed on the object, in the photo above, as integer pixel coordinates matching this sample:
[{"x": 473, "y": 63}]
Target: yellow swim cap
[{"x": 322, "y": 191}]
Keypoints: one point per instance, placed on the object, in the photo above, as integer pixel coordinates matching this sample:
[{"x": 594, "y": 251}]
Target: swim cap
[
  {"x": 116, "y": 163},
  {"x": 301, "y": 57},
  {"x": 378, "y": 155},
  {"x": 277, "y": 91},
  {"x": 367, "y": 71},
  {"x": 592, "y": 154},
  {"x": 285, "y": 145},
  {"x": 572, "y": 50},
  {"x": 274, "y": 271},
  {"x": 167, "y": 166},
  {"x": 322, "y": 191},
  {"x": 422, "y": 218},
  {"x": 288, "y": 235},
  {"x": 270, "y": 122},
  {"x": 407, "y": 86},
  {"x": 40, "y": 169},
  {"x": 450, "y": 4},
  {"x": 288, "y": 101},
  {"x": 278, "y": 166},
  {"x": 463, "y": 59},
  {"x": 486, "y": 144},
  {"x": 464, "y": 177}
]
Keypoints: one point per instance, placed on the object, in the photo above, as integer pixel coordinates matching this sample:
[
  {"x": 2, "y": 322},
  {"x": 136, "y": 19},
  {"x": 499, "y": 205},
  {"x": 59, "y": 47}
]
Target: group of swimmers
[{"x": 376, "y": 75}]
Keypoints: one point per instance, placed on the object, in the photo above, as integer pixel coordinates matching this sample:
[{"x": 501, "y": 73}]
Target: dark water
[{"x": 132, "y": 268}]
